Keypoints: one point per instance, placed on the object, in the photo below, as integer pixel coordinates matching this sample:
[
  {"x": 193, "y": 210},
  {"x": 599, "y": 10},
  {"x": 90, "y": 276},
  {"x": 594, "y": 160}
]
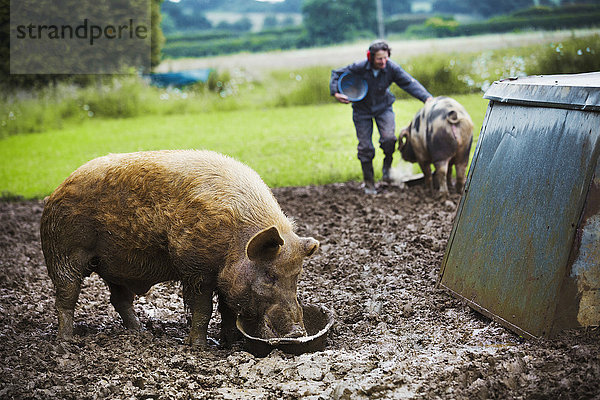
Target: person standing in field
[{"x": 379, "y": 72}]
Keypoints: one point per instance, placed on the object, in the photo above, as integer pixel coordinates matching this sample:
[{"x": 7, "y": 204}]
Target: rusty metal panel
[
  {"x": 579, "y": 301},
  {"x": 510, "y": 247},
  {"x": 585, "y": 270}
]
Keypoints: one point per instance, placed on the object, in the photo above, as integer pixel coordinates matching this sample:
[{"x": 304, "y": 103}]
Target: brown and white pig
[
  {"x": 441, "y": 134},
  {"x": 198, "y": 217}
]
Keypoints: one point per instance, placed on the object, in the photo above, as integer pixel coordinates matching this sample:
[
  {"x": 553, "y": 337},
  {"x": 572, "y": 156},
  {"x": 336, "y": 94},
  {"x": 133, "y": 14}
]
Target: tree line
[
  {"x": 328, "y": 22},
  {"x": 324, "y": 22},
  {"x": 190, "y": 15},
  {"x": 68, "y": 24}
]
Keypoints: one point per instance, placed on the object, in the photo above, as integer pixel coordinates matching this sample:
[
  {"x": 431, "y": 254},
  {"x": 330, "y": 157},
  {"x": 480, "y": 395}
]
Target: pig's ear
[
  {"x": 310, "y": 246},
  {"x": 264, "y": 245},
  {"x": 404, "y": 137}
]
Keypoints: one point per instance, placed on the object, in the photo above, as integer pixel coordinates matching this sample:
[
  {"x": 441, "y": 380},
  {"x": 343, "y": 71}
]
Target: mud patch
[{"x": 395, "y": 336}]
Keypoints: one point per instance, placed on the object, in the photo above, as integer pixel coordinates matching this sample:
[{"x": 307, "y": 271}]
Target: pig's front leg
[
  {"x": 122, "y": 300},
  {"x": 229, "y": 332},
  {"x": 426, "y": 168},
  {"x": 201, "y": 307}
]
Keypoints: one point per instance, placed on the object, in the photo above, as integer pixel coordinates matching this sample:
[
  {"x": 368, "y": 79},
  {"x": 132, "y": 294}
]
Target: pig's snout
[
  {"x": 283, "y": 322},
  {"x": 298, "y": 330}
]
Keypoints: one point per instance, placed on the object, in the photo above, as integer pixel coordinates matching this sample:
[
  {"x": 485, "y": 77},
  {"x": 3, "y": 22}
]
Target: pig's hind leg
[
  {"x": 67, "y": 293},
  {"x": 449, "y": 175},
  {"x": 461, "y": 171},
  {"x": 122, "y": 300},
  {"x": 441, "y": 173},
  {"x": 66, "y": 273}
]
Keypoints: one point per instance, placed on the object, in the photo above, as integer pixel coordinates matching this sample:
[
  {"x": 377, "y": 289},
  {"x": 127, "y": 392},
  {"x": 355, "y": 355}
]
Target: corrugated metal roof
[{"x": 577, "y": 92}]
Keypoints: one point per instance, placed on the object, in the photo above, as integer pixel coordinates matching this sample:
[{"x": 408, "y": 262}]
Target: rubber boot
[
  {"x": 387, "y": 166},
  {"x": 369, "y": 177}
]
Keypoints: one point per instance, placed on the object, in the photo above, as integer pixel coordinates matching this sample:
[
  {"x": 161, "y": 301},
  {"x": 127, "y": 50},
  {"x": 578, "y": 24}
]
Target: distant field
[
  {"x": 345, "y": 54},
  {"x": 257, "y": 19}
]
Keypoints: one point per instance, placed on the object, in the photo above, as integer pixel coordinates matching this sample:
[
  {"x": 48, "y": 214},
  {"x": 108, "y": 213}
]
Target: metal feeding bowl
[
  {"x": 317, "y": 321},
  {"x": 352, "y": 86}
]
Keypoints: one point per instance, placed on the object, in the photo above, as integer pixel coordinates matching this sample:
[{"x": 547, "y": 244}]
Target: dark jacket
[{"x": 378, "y": 96}]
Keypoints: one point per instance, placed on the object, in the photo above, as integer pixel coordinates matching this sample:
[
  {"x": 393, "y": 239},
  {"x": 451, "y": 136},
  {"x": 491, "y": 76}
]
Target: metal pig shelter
[{"x": 525, "y": 246}]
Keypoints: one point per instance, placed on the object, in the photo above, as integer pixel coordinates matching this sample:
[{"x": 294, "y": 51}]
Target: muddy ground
[{"x": 396, "y": 335}]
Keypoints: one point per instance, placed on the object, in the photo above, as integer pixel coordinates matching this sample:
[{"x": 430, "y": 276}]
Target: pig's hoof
[
  {"x": 134, "y": 329},
  {"x": 229, "y": 336},
  {"x": 197, "y": 342},
  {"x": 64, "y": 339},
  {"x": 370, "y": 190},
  {"x": 441, "y": 195},
  {"x": 130, "y": 320},
  {"x": 65, "y": 335}
]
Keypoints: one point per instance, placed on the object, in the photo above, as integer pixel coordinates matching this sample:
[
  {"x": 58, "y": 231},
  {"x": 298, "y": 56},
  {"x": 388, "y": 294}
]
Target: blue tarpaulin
[{"x": 180, "y": 78}]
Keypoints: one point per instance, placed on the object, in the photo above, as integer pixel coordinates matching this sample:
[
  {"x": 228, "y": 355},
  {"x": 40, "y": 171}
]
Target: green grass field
[
  {"x": 287, "y": 146},
  {"x": 281, "y": 122}
]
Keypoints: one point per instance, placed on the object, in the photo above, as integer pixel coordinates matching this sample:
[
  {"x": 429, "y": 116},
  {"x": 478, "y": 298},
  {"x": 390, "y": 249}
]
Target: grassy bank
[{"x": 287, "y": 146}]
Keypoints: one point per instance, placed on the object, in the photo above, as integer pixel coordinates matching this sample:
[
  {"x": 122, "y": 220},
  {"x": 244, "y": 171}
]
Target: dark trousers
[{"x": 386, "y": 125}]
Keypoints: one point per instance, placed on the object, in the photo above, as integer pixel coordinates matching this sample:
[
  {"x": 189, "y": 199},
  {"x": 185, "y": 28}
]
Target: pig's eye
[{"x": 270, "y": 277}]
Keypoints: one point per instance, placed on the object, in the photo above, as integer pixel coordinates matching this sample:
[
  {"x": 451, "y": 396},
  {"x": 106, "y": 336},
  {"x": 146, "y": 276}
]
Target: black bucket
[{"x": 317, "y": 321}]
